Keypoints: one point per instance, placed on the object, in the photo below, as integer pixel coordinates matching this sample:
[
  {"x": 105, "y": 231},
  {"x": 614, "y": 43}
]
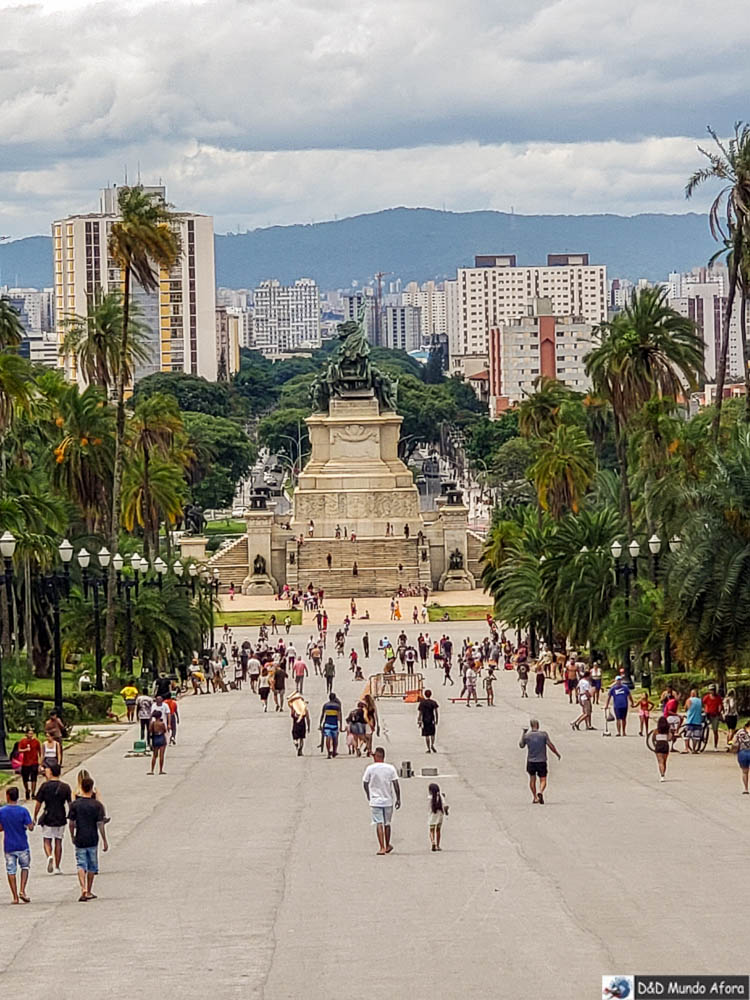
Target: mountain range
[{"x": 417, "y": 244}]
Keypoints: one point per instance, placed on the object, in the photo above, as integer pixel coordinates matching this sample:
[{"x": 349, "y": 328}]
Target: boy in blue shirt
[
  {"x": 15, "y": 820},
  {"x": 621, "y": 699}
]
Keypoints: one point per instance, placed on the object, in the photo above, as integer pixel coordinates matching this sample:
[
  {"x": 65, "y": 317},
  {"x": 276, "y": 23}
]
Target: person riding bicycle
[{"x": 693, "y": 720}]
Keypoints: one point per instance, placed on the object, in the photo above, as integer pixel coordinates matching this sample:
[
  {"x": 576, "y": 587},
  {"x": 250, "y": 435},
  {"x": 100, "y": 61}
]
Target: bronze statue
[
  {"x": 350, "y": 371},
  {"x": 259, "y": 565},
  {"x": 456, "y": 560}
]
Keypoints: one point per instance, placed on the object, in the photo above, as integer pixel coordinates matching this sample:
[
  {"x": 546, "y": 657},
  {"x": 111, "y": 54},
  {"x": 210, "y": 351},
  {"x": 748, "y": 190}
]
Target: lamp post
[
  {"x": 654, "y": 544},
  {"x": 128, "y": 583},
  {"x": 96, "y": 583},
  {"x": 626, "y": 570},
  {"x": 7, "y": 547}
]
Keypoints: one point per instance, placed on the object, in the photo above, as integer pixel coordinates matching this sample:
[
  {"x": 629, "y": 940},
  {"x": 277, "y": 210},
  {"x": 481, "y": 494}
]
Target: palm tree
[
  {"x": 153, "y": 429},
  {"x": 729, "y": 220},
  {"x": 647, "y": 350},
  {"x": 11, "y": 328},
  {"x": 143, "y": 505},
  {"x": 563, "y": 470},
  {"x": 141, "y": 241},
  {"x": 96, "y": 340},
  {"x": 540, "y": 413}
]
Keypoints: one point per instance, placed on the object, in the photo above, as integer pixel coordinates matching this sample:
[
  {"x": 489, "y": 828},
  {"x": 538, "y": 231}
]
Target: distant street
[{"x": 246, "y": 871}]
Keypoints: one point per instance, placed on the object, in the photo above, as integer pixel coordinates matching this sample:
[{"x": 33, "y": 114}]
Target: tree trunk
[
  {"x": 27, "y": 625},
  {"x": 626, "y": 506},
  {"x": 745, "y": 357},
  {"x": 148, "y": 514},
  {"x": 114, "y": 541},
  {"x": 721, "y": 368}
]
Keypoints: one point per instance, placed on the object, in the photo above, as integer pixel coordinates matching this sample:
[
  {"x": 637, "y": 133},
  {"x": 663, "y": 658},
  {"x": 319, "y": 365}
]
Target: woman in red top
[{"x": 30, "y": 750}]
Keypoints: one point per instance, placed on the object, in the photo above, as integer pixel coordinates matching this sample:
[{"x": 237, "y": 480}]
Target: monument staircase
[
  {"x": 377, "y": 558},
  {"x": 231, "y": 562}
]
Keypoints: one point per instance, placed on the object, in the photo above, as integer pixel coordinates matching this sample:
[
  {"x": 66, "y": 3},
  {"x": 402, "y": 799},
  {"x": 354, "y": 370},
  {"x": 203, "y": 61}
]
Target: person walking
[
  {"x": 279, "y": 684},
  {"x": 331, "y": 724},
  {"x": 383, "y": 792},
  {"x": 729, "y": 709},
  {"x": 366, "y": 645},
  {"x": 585, "y": 703},
  {"x": 372, "y": 722},
  {"x": 30, "y": 750},
  {"x": 540, "y": 678},
  {"x": 742, "y": 743},
  {"x": 50, "y": 752},
  {"x": 645, "y": 707},
  {"x": 621, "y": 698},
  {"x": 52, "y": 799},
  {"x": 661, "y": 745},
  {"x": 522, "y": 669},
  {"x": 86, "y": 818},
  {"x": 536, "y": 741},
  {"x": 489, "y": 687},
  {"x": 300, "y": 722},
  {"x": 693, "y": 720},
  {"x": 713, "y": 706},
  {"x": 427, "y": 719},
  {"x": 329, "y": 672},
  {"x": 15, "y": 823},
  {"x": 129, "y": 694},
  {"x": 300, "y": 671},
  {"x": 157, "y": 730},
  {"x": 253, "y": 671},
  {"x": 173, "y": 719},
  {"x": 143, "y": 705},
  {"x": 264, "y": 687},
  {"x": 470, "y": 684},
  {"x": 54, "y": 728},
  {"x": 438, "y": 811},
  {"x": 596, "y": 681}
]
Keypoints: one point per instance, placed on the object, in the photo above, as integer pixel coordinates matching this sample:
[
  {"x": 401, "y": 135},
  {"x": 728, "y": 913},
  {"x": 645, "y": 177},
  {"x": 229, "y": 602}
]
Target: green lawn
[
  {"x": 460, "y": 612},
  {"x": 256, "y": 618},
  {"x": 44, "y": 687},
  {"x": 225, "y": 527}
]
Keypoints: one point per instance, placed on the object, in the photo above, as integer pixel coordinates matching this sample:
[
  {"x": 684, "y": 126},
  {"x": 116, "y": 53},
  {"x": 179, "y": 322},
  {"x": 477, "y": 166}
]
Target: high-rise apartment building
[
  {"x": 703, "y": 299},
  {"x": 497, "y": 290},
  {"x": 228, "y": 341},
  {"x": 402, "y": 328},
  {"x": 540, "y": 343},
  {"x": 430, "y": 300},
  {"x": 286, "y": 317},
  {"x": 354, "y": 301},
  {"x": 179, "y": 319}
]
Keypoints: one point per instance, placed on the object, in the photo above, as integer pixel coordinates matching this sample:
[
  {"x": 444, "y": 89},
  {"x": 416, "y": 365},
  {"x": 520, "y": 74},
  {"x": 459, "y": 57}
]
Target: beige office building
[
  {"x": 179, "y": 318},
  {"x": 497, "y": 290}
]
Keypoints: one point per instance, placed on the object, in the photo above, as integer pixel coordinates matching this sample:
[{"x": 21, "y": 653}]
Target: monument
[{"x": 356, "y": 526}]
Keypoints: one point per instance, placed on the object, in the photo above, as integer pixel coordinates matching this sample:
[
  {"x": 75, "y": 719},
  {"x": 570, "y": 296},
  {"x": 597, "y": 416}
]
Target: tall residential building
[
  {"x": 497, "y": 290},
  {"x": 703, "y": 299},
  {"x": 179, "y": 318},
  {"x": 228, "y": 341},
  {"x": 402, "y": 327},
  {"x": 286, "y": 317},
  {"x": 353, "y": 302},
  {"x": 430, "y": 299},
  {"x": 35, "y": 310},
  {"x": 540, "y": 343}
]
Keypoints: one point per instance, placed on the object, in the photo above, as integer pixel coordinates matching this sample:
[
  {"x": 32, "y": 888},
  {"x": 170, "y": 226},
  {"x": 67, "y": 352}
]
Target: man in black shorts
[
  {"x": 536, "y": 741},
  {"x": 427, "y": 720}
]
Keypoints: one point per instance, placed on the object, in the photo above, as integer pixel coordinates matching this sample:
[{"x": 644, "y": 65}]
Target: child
[
  {"x": 644, "y": 707},
  {"x": 438, "y": 810}
]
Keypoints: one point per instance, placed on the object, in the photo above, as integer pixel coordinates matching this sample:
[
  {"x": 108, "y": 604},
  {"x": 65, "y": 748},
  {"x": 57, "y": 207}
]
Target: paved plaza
[{"x": 248, "y": 872}]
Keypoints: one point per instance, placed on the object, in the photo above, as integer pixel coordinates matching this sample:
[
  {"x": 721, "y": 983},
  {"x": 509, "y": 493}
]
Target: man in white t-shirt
[
  {"x": 383, "y": 792},
  {"x": 585, "y": 700}
]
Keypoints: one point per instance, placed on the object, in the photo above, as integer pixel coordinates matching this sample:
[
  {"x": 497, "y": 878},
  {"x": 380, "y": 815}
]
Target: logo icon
[{"x": 617, "y": 987}]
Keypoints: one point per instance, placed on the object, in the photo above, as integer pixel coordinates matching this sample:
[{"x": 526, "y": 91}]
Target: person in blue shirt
[
  {"x": 693, "y": 720},
  {"x": 15, "y": 820},
  {"x": 621, "y": 698}
]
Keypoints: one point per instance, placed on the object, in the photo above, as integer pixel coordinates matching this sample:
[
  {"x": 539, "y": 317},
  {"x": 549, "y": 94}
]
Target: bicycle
[{"x": 694, "y": 743}]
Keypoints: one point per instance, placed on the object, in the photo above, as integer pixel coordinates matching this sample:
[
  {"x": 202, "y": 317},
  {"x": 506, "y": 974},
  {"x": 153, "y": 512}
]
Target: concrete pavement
[{"x": 248, "y": 872}]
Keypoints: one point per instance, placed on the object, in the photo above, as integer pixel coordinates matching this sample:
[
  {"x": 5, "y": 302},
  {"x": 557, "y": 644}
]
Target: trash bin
[
  {"x": 34, "y": 710},
  {"x": 646, "y": 680}
]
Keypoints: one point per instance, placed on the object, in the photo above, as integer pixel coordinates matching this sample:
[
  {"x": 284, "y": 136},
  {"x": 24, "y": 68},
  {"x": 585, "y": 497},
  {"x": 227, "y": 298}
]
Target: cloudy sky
[{"x": 265, "y": 112}]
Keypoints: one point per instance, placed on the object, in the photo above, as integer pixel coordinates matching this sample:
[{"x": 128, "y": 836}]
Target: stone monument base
[
  {"x": 457, "y": 579},
  {"x": 259, "y": 584}
]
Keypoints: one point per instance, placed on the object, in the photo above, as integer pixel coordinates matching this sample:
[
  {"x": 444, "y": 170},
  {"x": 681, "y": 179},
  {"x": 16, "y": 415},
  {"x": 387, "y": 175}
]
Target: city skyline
[{"x": 231, "y": 103}]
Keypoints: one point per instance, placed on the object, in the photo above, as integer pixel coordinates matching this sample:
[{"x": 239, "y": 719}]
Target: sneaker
[
  {"x": 661, "y": 777},
  {"x": 59, "y": 871},
  {"x": 540, "y": 799},
  {"x": 50, "y": 865}
]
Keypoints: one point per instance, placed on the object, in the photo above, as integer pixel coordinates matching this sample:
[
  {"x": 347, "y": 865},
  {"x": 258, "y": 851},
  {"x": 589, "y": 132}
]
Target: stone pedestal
[
  {"x": 259, "y": 579},
  {"x": 193, "y": 548},
  {"x": 354, "y": 477},
  {"x": 453, "y": 515}
]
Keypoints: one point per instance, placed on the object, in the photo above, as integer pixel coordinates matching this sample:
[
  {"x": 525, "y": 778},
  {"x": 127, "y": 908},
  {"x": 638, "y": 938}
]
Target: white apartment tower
[
  {"x": 430, "y": 300},
  {"x": 179, "y": 318},
  {"x": 286, "y": 317},
  {"x": 402, "y": 328},
  {"x": 496, "y": 290}
]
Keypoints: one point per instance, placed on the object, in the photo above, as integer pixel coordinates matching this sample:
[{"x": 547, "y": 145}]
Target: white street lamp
[
  {"x": 66, "y": 550},
  {"x": 193, "y": 569},
  {"x": 616, "y": 549},
  {"x": 118, "y": 562},
  {"x": 654, "y": 544},
  {"x": 135, "y": 561},
  {"x": 160, "y": 566},
  {"x": 634, "y": 549},
  {"x": 84, "y": 558},
  {"x": 675, "y": 543},
  {"x": 178, "y": 569},
  {"x": 104, "y": 557}
]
